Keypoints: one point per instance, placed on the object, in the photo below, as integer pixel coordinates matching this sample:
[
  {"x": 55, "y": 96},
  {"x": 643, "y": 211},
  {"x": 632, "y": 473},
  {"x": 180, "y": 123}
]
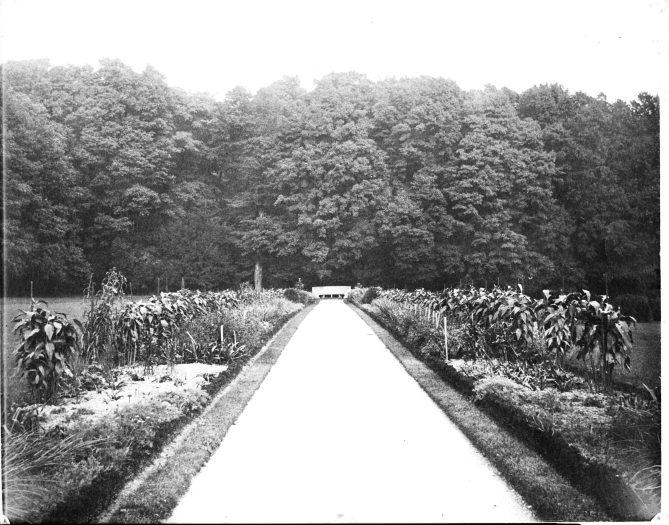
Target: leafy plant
[
  {"x": 298, "y": 295},
  {"x": 511, "y": 326},
  {"x": 604, "y": 333},
  {"x": 101, "y": 317},
  {"x": 32, "y": 465},
  {"x": 47, "y": 343}
]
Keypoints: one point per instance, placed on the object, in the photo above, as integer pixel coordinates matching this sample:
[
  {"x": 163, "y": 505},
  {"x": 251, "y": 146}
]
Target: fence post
[
  {"x": 183, "y": 284},
  {"x": 158, "y": 293},
  {"x": 31, "y": 293},
  {"x": 446, "y": 338}
]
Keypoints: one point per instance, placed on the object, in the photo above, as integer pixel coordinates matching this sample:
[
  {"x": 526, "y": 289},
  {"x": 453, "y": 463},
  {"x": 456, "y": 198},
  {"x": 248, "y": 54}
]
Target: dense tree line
[{"x": 409, "y": 182}]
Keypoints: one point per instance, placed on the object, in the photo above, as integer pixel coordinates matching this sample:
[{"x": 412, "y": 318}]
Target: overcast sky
[{"x": 617, "y": 47}]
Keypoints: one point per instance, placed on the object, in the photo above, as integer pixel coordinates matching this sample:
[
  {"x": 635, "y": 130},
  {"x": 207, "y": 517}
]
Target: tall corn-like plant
[
  {"x": 604, "y": 333},
  {"x": 509, "y": 324},
  {"x": 557, "y": 320},
  {"x": 101, "y": 317},
  {"x": 148, "y": 330},
  {"x": 47, "y": 343}
]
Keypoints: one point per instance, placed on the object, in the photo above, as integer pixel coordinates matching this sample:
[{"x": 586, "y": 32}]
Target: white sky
[{"x": 613, "y": 46}]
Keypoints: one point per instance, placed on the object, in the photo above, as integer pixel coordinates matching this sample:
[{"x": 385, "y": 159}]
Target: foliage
[
  {"x": 101, "y": 318},
  {"x": 410, "y": 182},
  {"x": 369, "y": 295},
  {"x": 31, "y": 461},
  {"x": 147, "y": 330},
  {"x": 47, "y": 470},
  {"x": 356, "y": 294},
  {"x": 606, "y": 331},
  {"x": 47, "y": 344},
  {"x": 222, "y": 335},
  {"x": 299, "y": 296},
  {"x": 509, "y": 326}
]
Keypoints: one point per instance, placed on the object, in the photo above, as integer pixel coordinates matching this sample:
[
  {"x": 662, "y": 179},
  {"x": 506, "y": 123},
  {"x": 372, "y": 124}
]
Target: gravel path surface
[{"x": 339, "y": 432}]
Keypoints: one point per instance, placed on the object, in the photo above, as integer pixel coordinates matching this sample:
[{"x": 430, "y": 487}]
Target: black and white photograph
[{"x": 316, "y": 261}]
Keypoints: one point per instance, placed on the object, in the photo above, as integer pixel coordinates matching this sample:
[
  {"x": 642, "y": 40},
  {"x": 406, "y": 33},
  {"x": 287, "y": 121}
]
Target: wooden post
[
  {"x": 257, "y": 277},
  {"x": 183, "y": 284},
  {"x": 92, "y": 297},
  {"x": 32, "y": 298},
  {"x": 158, "y": 292},
  {"x": 446, "y": 338},
  {"x": 221, "y": 334}
]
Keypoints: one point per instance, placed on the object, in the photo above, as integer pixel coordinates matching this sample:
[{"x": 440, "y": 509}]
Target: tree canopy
[{"x": 405, "y": 182}]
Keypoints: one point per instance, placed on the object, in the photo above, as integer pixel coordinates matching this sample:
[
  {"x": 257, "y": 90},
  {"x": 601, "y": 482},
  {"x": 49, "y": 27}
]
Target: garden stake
[{"x": 446, "y": 338}]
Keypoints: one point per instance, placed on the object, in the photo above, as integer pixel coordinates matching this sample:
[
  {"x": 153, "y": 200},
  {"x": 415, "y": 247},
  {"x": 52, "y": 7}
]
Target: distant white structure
[{"x": 329, "y": 292}]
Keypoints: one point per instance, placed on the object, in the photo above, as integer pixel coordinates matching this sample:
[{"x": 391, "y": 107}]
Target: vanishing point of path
[{"x": 339, "y": 432}]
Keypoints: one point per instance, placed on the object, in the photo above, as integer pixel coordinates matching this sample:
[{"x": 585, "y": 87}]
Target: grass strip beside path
[
  {"x": 549, "y": 494},
  {"x": 155, "y": 493}
]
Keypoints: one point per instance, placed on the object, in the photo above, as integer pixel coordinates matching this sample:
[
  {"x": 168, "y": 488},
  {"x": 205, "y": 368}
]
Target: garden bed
[
  {"x": 74, "y": 455},
  {"x": 602, "y": 443}
]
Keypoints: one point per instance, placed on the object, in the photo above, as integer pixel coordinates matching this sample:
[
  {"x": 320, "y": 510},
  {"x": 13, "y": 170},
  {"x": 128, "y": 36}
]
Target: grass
[
  {"x": 584, "y": 437},
  {"x": 116, "y": 446},
  {"x": 30, "y": 467},
  {"x": 156, "y": 492},
  {"x": 549, "y": 494}
]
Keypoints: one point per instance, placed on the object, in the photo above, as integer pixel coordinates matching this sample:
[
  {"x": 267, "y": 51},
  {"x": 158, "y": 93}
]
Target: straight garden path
[{"x": 339, "y": 432}]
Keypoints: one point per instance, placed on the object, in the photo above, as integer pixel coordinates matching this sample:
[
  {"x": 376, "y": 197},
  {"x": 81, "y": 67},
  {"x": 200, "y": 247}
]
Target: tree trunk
[{"x": 257, "y": 277}]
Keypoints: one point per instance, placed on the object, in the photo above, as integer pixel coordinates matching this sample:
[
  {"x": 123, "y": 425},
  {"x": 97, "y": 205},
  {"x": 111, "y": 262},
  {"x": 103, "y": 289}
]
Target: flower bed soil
[{"x": 91, "y": 499}]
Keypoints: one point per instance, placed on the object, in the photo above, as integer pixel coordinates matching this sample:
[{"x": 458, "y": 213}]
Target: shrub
[
  {"x": 370, "y": 294},
  {"x": 299, "y": 296},
  {"x": 355, "y": 295}
]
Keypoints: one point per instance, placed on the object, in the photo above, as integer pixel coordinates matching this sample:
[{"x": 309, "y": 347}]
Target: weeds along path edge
[
  {"x": 548, "y": 493},
  {"x": 153, "y": 494}
]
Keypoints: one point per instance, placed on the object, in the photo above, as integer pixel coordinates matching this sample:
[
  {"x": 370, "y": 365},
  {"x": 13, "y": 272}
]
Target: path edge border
[
  {"x": 437, "y": 388},
  {"x": 223, "y": 412}
]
